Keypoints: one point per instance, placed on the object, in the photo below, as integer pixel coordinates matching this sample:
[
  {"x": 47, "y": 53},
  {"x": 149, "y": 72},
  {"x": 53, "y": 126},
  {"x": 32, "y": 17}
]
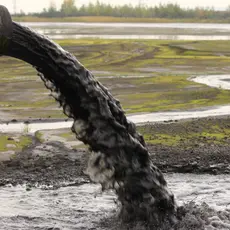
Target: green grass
[
  {"x": 67, "y": 135},
  {"x": 20, "y": 143},
  {"x": 188, "y": 134},
  {"x": 39, "y": 136},
  {"x": 22, "y": 104},
  {"x": 115, "y": 19},
  {"x": 176, "y": 140},
  {"x": 205, "y": 47},
  {"x": 162, "y": 139},
  {"x": 171, "y": 93}
]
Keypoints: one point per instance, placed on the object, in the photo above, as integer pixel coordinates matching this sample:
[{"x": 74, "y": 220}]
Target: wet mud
[{"x": 45, "y": 164}]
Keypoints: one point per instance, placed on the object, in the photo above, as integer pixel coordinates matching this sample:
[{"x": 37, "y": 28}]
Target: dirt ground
[{"x": 201, "y": 146}]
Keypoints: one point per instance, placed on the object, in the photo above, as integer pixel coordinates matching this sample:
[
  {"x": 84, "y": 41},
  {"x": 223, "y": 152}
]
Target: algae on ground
[
  {"x": 188, "y": 133},
  {"x": 16, "y": 143}
]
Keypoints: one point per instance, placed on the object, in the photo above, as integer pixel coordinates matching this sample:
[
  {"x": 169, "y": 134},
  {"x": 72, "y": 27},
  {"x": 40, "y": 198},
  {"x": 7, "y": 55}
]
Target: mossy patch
[
  {"x": 16, "y": 144},
  {"x": 188, "y": 134},
  {"x": 171, "y": 93},
  {"x": 67, "y": 135},
  {"x": 39, "y": 136}
]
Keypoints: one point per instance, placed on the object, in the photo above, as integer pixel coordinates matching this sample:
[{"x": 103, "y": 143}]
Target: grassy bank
[
  {"x": 145, "y": 75},
  {"x": 14, "y": 142},
  {"x": 188, "y": 133},
  {"x": 185, "y": 134},
  {"x": 92, "y": 19}
]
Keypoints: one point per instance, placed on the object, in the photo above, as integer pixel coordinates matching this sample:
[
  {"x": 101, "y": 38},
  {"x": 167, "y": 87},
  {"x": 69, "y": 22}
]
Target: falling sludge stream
[{"x": 119, "y": 157}]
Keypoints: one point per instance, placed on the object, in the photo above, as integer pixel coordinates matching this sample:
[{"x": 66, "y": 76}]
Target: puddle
[
  {"x": 84, "y": 207},
  {"x": 217, "y": 81}
]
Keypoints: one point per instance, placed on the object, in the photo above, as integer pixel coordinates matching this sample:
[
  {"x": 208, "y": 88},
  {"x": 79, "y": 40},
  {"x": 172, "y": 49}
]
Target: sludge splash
[{"x": 190, "y": 217}]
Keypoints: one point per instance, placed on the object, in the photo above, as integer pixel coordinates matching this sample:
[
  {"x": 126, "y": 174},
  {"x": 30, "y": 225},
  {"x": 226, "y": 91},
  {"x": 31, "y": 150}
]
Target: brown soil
[
  {"x": 46, "y": 164},
  {"x": 194, "y": 153}
]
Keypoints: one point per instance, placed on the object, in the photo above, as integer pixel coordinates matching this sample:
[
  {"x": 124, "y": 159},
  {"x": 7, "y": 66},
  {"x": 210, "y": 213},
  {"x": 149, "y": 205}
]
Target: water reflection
[
  {"x": 217, "y": 26},
  {"x": 159, "y": 31}
]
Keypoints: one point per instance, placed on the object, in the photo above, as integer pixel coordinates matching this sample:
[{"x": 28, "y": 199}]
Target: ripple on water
[
  {"x": 66, "y": 208},
  {"x": 85, "y": 207}
]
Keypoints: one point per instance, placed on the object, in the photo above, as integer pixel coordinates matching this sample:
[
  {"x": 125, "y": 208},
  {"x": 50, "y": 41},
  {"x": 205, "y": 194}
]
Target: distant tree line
[{"x": 170, "y": 11}]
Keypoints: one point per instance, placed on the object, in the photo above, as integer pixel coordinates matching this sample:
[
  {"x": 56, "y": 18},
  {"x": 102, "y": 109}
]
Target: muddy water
[
  {"x": 171, "y": 31},
  {"x": 218, "y": 81},
  {"x": 85, "y": 207}
]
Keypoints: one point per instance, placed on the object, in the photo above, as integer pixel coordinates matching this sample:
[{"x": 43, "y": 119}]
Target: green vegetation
[
  {"x": 16, "y": 144},
  {"x": 110, "y": 19},
  {"x": 145, "y": 75},
  {"x": 64, "y": 136},
  {"x": 178, "y": 98},
  {"x": 188, "y": 133},
  {"x": 67, "y": 135},
  {"x": 162, "y": 11},
  {"x": 39, "y": 136}
]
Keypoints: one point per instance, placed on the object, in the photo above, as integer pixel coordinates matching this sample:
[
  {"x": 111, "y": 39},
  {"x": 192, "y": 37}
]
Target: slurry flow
[{"x": 85, "y": 207}]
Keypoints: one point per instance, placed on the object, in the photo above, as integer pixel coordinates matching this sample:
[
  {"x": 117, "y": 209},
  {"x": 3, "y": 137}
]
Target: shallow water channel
[
  {"x": 85, "y": 207},
  {"x": 163, "y": 31}
]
